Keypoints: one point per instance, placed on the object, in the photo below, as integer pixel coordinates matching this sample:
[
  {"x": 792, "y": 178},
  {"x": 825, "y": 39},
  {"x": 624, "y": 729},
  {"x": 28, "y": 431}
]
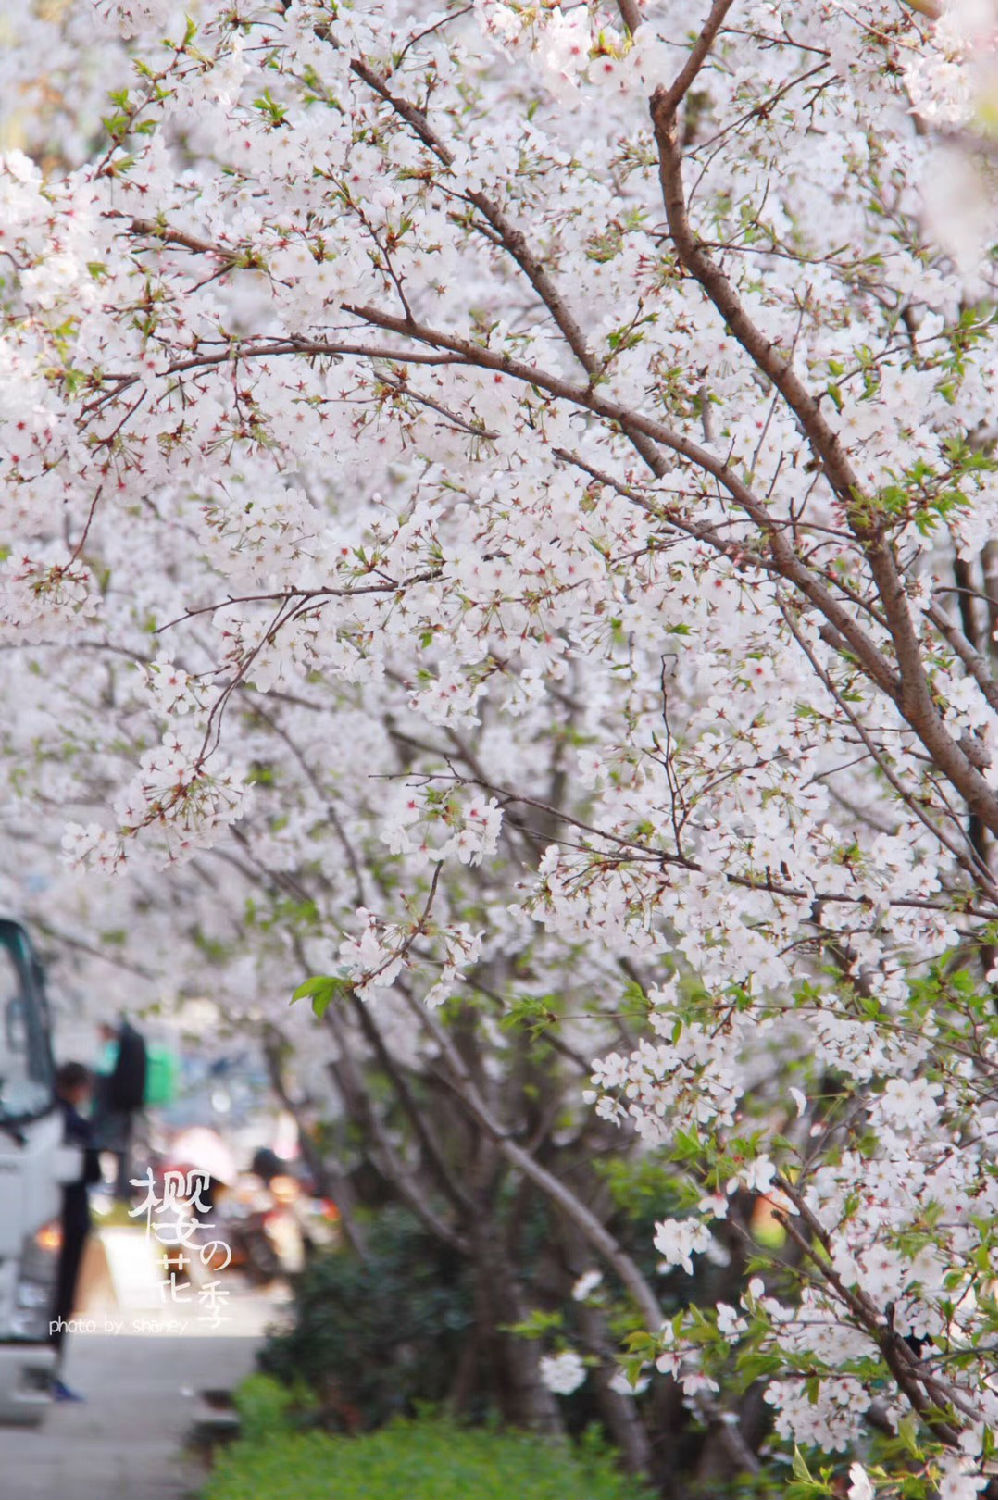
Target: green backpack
[{"x": 162, "y": 1074}]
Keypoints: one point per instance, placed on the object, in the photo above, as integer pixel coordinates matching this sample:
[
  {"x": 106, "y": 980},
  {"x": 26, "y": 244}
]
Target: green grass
[{"x": 426, "y": 1459}]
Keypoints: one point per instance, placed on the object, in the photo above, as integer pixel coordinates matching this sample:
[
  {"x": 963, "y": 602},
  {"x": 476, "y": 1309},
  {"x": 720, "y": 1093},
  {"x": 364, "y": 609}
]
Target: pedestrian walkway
[
  {"x": 126, "y": 1441},
  {"x": 141, "y": 1363}
]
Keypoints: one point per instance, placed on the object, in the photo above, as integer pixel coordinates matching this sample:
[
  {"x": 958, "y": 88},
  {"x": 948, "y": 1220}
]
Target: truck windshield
[{"x": 26, "y": 1073}]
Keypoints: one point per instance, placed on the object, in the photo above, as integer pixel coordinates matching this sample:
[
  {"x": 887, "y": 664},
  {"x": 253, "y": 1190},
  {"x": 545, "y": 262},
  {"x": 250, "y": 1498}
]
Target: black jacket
[
  {"x": 125, "y": 1088},
  {"x": 75, "y": 1204}
]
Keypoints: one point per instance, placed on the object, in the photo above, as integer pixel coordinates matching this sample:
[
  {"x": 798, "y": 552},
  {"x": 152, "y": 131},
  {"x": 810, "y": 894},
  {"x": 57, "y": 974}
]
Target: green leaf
[
  {"x": 801, "y": 1470},
  {"x": 322, "y": 990}
]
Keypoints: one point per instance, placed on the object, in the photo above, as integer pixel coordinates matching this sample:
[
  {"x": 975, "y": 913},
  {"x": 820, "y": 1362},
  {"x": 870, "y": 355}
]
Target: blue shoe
[{"x": 62, "y": 1392}]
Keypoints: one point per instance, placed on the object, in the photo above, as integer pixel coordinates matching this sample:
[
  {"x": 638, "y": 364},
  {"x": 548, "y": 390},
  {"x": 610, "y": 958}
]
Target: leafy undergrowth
[{"x": 426, "y": 1459}]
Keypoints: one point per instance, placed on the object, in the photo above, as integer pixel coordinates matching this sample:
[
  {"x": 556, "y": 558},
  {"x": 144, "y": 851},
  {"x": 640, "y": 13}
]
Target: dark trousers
[{"x": 75, "y": 1228}]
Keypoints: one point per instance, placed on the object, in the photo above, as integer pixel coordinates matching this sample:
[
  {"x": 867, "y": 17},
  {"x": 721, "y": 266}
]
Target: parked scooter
[
  {"x": 244, "y": 1234},
  {"x": 271, "y": 1220},
  {"x": 306, "y": 1222}
]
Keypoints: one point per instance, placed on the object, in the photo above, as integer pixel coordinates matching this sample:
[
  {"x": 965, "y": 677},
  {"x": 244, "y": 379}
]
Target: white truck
[{"x": 33, "y": 1164}]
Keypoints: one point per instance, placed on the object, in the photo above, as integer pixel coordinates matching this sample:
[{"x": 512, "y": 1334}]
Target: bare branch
[
  {"x": 678, "y": 90},
  {"x": 972, "y": 659}
]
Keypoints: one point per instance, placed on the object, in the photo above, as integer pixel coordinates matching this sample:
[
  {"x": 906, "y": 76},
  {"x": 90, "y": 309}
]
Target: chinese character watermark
[{"x": 175, "y": 1212}]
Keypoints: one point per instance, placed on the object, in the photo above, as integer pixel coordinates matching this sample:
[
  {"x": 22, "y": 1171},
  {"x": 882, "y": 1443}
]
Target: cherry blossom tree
[{"x": 501, "y": 505}]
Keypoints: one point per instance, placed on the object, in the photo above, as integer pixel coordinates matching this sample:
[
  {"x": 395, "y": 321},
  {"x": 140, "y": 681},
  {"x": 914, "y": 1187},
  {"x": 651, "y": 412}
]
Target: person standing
[
  {"x": 73, "y": 1088},
  {"x": 120, "y": 1097}
]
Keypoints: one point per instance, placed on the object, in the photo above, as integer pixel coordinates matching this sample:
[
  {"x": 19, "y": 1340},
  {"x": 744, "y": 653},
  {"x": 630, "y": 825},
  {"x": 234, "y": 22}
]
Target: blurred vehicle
[
  {"x": 34, "y": 1163},
  {"x": 227, "y": 1089}
]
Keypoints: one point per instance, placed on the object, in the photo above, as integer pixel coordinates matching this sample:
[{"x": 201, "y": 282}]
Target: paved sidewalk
[
  {"x": 125, "y": 1442},
  {"x": 141, "y": 1366}
]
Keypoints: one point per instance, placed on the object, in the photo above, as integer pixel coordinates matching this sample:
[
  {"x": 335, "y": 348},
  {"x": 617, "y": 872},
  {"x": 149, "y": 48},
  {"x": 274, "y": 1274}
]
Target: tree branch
[
  {"x": 585, "y": 1221},
  {"x": 909, "y": 688}
]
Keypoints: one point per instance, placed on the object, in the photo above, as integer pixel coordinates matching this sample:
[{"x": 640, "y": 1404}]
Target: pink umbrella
[{"x": 205, "y": 1151}]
